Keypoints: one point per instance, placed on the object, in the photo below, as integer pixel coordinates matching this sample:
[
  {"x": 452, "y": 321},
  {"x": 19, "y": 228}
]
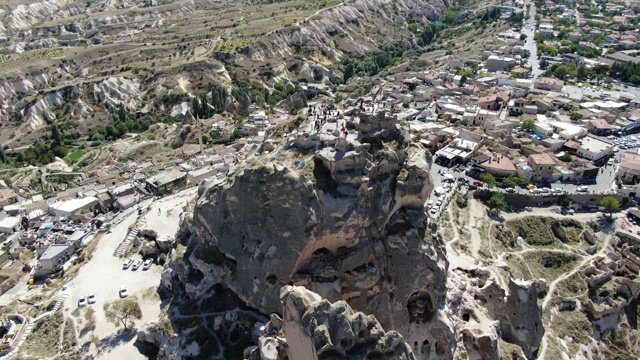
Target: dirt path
[
  {"x": 456, "y": 259},
  {"x": 475, "y": 217}
]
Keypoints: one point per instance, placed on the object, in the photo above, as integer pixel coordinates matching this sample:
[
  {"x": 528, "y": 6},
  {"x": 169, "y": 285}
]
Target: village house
[
  {"x": 600, "y": 127},
  {"x": 549, "y": 84},
  {"x": 629, "y": 167},
  {"x": 554, "y": 145},
  {"x": 594, "y": 149},
  {"x": 542, "y": 166},
  {"x": 165, "y": 180},
  {"x": 499, "y": 166},
  {"x": 499, "y": 63},
  {"x": 493, "y": 101},
  {"x": 72, "y": 207},
  {"x": 54, "y": 258}
]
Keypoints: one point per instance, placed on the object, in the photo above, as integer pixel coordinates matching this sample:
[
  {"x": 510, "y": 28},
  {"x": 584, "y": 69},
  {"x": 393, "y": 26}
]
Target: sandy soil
[{"x": 104, "y": 275}]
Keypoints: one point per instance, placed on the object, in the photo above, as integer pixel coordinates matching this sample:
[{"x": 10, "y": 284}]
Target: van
[{"x": 7, "y": 243}]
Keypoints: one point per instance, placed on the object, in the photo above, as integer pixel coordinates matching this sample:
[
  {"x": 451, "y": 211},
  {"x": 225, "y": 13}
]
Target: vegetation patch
[
  {"x": 534, "y": 230},
  {"x": 573, "y": 324},
  {"x": 43, "y": 341},
  {"x": 69, "y": 340},
  {"x": 543, "y": 231},
  {"x": 549, "y": 264}
]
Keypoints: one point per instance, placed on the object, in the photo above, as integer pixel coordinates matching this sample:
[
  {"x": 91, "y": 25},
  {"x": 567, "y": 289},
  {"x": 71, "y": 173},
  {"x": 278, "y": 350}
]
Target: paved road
[{"x": 529, "y": 29}]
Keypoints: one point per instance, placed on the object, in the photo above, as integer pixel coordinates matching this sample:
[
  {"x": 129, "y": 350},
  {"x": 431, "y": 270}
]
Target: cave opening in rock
[
  {"x": 426, "y": 347},
  {"x": 420, "y": 307},
  {"x": 271, "y": 278}
]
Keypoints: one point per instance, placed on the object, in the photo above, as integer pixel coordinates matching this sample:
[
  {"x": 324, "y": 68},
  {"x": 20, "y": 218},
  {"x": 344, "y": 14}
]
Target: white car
[
  {"x": 582, "y": 189},
  {"x": 136, "y": 264},
  {"x": 123, "y": 291},
  {"x": 147, "y": 264},
  {"x": 82, "y": 301},
  {"x": 126, "y": 264},
  {"x": 433, "y": 211},
  {"x": 91, "y": 299},
  {"x": 510, "y": 190},
  {"x": 545, "y": 190},
  {"x": 557, "y": 190}
]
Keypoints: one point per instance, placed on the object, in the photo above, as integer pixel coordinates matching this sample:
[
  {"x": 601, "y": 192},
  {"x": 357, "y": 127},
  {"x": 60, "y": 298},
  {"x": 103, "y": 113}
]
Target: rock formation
[
  {"x": 349, "y": 225},
  {"x": 313, "y": 328}
]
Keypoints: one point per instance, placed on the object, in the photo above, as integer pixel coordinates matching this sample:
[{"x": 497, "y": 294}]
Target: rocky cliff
[{"x": 313, "y": 328}]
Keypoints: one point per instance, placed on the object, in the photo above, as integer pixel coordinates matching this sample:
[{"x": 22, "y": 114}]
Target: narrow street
[{"x": 529, "y": 29}]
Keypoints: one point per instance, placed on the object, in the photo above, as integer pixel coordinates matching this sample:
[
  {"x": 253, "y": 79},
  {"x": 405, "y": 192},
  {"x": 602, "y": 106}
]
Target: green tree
[
  {"x": 564, "y": 201},
  {"x": 497, "y": 203},
  {"x": 528, "y": 125},
  {"x": 565, "y": 158},
  {"x": 56, "y": 135},
  {"x": 488, "y": 179},
  {"x": 583, "y": 73},
  {"x": 348, "y": 72},
  {"x": 513, "y": 181},
  {"x": 544, "y": 64},
  {"x": 575, "y": 116},
  {"x": 218, "y": 98},
  {"x": 463, "y": 79},
  {"x": 123, "y": 312},
  {"x": 610, "y": 204}
]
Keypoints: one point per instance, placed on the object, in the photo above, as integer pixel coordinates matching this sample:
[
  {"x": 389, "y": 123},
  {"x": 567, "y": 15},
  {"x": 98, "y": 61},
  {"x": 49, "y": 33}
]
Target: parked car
[
  {"x": 126, "y": 264},
  {"x": 123, "y": 291},
  {"x": 582, "y": 189},
  {"x": 433, "y": 211},
  {"x": 147, "y": 264},
  {"x": 91, "y": 299},
  {"x": 82, "y": 301},
  {"x": 136, "y": 264},
  {"x": 510, "y": 190},
  {"x": 545, "y": 190},
  {"x": 478, "y": 183},
  {"x": 557, "y": 190}
]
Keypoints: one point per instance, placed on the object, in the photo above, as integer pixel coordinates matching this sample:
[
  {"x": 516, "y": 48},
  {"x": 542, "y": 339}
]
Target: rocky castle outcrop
[
  {"x": 344, "y": 218},
  {"x": 348, "y": 224}
]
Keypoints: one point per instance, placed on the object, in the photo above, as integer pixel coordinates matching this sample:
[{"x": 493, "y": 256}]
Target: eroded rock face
[
  {"x": 314, "y": 328},
  {"x": 351, "y": 229}
]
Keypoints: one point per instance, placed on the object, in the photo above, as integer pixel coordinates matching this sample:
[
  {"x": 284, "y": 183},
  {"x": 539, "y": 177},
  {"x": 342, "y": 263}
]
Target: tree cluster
[
  {"x": 372, "y": 65},
  {"x": 627, "y": 72}
]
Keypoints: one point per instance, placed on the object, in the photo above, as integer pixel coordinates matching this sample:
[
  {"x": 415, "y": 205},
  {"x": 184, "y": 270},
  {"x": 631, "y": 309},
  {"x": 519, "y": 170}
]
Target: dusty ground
[{"x": 104, "y": 275}]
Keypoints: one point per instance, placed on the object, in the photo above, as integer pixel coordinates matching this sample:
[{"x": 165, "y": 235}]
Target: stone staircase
[
  {"x": 31, "y": 324},
  {"x": 124, "y": 247}
]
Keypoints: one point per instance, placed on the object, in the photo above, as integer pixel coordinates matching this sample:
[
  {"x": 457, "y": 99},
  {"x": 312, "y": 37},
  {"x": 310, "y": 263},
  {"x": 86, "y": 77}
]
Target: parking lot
[{"x": 104, "y": 274}]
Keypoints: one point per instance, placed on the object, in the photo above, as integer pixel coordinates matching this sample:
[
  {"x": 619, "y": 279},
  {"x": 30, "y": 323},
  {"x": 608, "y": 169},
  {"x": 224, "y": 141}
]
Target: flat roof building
[{"x": 594, "y": 149}]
